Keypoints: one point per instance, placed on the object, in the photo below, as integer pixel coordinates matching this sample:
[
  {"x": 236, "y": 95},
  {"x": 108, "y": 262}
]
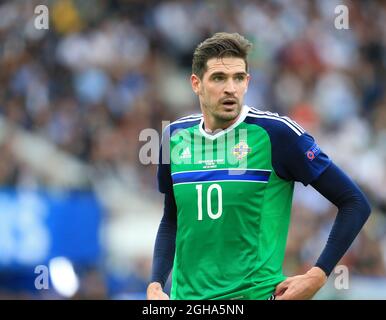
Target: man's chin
[{"x": 228, "y": 115}]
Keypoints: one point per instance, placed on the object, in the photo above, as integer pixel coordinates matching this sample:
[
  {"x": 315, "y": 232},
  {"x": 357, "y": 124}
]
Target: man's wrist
[
  {"x": 318, "y": 273},
  {"x": 155, "y": 285}
]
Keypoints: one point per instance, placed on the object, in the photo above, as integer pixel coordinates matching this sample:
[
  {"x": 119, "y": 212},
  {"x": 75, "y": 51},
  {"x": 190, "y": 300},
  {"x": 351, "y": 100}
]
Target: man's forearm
[
  {"x": 353, "y": 211},
  {"x": 164, "y": 248}
]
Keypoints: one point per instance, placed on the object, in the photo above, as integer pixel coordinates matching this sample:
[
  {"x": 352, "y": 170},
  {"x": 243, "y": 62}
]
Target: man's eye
[
  {"x": 240, "y": 78},
  {"x": 218, "y": 78}
]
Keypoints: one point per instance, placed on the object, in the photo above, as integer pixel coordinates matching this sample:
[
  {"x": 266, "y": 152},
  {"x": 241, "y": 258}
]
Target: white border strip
[
  {"x": 228, "y": 169},
  {"x": 259, "y": 112},
  {"x": 176, "y": 184},
  {"x": 296, "y": 130}
]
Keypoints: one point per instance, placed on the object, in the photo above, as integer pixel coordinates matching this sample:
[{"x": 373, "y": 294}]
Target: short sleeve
[
  {"x": 303, "y": 160},
  {"x": 295, "y": 154}
]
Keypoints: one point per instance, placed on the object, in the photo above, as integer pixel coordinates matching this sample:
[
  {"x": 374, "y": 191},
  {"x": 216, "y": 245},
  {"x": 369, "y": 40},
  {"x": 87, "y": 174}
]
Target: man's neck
[{"x": 211, "y": 125}]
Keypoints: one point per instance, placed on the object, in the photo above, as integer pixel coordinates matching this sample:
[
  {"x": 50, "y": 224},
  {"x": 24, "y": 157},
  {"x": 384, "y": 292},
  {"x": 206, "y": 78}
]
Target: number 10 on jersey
[{"x": 211, "y": 188}]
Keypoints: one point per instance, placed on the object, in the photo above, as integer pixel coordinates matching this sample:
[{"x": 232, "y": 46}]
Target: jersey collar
[{"x": 241, "y": 118}]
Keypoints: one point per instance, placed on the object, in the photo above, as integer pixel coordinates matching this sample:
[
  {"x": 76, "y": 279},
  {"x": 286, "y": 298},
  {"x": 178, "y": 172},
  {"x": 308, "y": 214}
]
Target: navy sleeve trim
[{"x": 353, "y": 211}]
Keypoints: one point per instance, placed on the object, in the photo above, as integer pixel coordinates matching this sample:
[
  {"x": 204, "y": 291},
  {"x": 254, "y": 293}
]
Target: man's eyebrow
[
  {"x": 220, "y": 73},
  {"x": 243, "y": 73}
]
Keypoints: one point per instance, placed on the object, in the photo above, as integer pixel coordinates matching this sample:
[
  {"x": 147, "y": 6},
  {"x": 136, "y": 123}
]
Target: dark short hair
[{"x": 220, "y": 45}]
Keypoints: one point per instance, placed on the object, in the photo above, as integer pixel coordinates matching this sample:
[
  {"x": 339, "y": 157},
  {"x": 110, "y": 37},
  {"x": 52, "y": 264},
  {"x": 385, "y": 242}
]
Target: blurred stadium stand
[{"x": 74, "y": 98}]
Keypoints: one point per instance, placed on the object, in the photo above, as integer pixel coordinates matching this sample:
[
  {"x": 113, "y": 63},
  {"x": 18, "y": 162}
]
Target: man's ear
[{"x": 196, "y": 83}]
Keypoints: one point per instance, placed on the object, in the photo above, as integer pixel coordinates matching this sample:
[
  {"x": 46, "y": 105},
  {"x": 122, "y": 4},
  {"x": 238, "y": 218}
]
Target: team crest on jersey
[{"x": 241, "y": 150}]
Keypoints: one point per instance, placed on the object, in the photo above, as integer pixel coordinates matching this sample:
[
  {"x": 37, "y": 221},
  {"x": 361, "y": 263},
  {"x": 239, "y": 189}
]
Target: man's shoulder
[
  {"x": 183, "y": 123},
  {"x": 180, "y": 124},
  {"x": 275, "y": 124},
  {"x": 189, "y": 118}
]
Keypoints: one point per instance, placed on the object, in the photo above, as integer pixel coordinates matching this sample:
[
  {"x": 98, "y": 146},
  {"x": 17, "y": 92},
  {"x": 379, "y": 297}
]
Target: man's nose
[{"x": 230, "y": 87}]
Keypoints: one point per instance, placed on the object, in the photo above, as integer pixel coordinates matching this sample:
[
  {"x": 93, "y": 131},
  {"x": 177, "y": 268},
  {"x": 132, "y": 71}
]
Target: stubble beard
[{"x": 224, "y": 116}]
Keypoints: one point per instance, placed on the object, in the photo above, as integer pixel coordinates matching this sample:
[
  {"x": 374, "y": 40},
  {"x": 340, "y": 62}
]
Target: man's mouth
[{"x": 229, "y": 102}]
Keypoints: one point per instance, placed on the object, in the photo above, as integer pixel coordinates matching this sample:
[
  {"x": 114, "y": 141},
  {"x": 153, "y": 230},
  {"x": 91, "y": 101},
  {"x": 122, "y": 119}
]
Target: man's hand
[
  {"x": 302, "y": 287},
  {"x": 154, "y": 292}
]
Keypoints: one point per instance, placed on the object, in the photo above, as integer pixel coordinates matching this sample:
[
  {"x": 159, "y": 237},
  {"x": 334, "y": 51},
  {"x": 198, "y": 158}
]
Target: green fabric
[{"x": 233, "y": 248}]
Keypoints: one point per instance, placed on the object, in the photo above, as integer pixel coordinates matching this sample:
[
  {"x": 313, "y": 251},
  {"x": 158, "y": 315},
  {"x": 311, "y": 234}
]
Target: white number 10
[{"x": 209, "y": 201}]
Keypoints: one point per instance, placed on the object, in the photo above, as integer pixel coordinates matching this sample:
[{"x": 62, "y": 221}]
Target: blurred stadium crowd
[{"x": 105, "y": 70}]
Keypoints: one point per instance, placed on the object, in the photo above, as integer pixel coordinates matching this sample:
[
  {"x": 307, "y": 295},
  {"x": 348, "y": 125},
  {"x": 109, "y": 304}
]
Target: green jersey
[{"x": 233, "y": 194}]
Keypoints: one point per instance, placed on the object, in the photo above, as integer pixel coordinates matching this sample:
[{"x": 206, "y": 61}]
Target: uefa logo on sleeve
[
  {"x": 310, "y": 155},
  {"x": 313, "y": 152}
]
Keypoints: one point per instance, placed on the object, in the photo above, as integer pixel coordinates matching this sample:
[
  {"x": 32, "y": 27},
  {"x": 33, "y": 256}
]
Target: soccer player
[{"x": 228, "y": 191}]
